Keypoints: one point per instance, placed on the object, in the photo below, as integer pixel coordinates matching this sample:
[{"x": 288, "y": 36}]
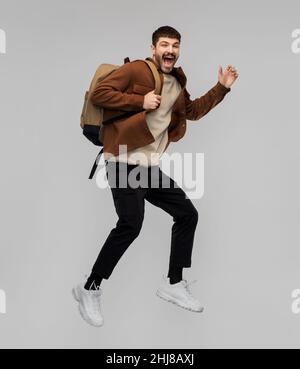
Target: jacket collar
[{"x": 177, "y": 72}]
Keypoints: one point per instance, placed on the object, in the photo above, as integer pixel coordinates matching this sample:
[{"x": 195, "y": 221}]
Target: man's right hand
[{"x": 151, "y": 101}]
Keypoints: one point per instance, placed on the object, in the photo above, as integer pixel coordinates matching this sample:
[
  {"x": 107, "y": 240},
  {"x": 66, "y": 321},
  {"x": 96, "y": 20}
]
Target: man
[{"x": 155, "y": 121}]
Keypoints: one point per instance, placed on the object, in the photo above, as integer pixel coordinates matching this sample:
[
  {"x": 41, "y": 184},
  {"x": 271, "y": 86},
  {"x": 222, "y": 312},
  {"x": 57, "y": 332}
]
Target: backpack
[{"x": 91, "y": 120}]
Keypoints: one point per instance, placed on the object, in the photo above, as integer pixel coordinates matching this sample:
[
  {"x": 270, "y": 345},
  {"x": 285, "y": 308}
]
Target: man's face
[{"x": 166, "y": 53}]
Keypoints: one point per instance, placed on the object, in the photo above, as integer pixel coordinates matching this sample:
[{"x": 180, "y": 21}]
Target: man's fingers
[{"x": 232, "y": 70}]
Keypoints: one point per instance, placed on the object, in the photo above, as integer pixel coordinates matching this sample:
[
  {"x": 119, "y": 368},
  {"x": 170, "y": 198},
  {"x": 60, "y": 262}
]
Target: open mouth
[{"x": 168, "y": 60}]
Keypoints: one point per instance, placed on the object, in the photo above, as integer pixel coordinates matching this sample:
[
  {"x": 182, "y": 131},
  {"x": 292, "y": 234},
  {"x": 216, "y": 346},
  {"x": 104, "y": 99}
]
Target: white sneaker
[
  {"x": 180, "y": 295},
  {"x": 89, "y": 305}
]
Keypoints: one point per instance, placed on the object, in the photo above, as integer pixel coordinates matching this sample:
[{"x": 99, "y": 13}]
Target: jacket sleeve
[
  {"x": 196, "y": 109},
  {"x": 110, "y": 92}
]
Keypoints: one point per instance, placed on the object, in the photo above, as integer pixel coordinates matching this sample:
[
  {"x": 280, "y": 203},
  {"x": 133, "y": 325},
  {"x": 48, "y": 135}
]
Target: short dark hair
[{"x": 165, "y": 31}]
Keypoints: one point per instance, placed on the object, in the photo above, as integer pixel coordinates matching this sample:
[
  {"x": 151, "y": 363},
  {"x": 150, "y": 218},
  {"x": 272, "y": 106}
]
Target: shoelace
[
  {"x": 187, "y": 284},
  {"x": 95, "y": 302},
  {"x": 187, "y": 287},
  {"x": 97, "y": 288},
  {"x": 96, "y": 299}
]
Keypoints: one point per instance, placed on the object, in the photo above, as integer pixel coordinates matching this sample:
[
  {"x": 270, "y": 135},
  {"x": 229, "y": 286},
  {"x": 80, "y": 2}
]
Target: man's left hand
[{"x": 228, "y": 76}]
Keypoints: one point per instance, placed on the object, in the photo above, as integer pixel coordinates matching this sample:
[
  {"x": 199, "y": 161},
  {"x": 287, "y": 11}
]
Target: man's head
[{"x": 165, "y": 47}]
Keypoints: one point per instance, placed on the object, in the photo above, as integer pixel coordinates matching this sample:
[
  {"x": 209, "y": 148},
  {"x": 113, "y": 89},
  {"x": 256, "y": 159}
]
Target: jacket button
[{"x": 183, "y": 125}]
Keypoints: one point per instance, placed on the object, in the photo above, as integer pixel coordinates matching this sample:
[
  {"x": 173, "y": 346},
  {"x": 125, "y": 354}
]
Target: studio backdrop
[{"x": 54, "y": 220}]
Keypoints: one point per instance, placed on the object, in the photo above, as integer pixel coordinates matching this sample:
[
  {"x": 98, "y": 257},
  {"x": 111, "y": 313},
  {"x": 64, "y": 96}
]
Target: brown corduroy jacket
[{"x": 124, "y": 89}]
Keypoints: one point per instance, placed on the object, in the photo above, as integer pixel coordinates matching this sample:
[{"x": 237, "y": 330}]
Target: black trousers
[{"x": 129, "y": 196}]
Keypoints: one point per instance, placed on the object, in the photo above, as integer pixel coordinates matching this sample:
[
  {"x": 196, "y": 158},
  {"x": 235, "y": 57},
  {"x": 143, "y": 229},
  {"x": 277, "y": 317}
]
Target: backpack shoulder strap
[{"x": 156, "y": 76}]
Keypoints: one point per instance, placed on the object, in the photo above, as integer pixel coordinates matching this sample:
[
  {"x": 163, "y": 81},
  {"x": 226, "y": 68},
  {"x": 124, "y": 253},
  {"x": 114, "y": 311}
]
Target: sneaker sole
[
  {"x": 82, "y": 312},
  {"x": 168, "y": 298}
]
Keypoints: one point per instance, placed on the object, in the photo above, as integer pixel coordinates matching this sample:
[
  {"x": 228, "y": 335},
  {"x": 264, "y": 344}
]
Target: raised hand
[{"x": 228, "y": 76}]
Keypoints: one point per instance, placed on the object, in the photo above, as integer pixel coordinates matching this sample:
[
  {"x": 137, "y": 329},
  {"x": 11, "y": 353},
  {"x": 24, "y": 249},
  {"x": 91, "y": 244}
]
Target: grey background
[{"x": 54, "y": 220}]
